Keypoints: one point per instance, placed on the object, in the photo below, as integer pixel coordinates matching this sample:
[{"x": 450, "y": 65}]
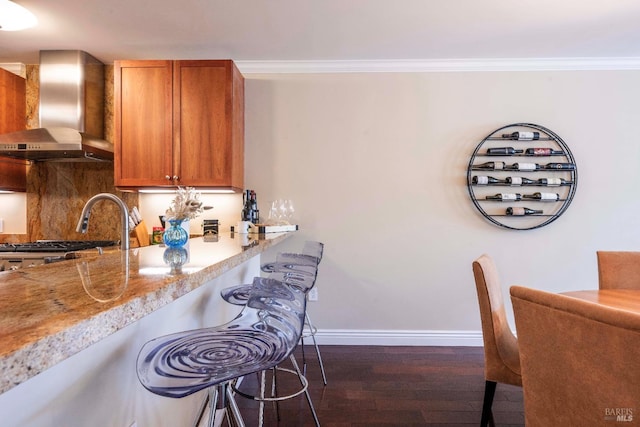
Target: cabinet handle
[
  {"x": 167, "y": 177},
  {"x": 175, "y": 177}
]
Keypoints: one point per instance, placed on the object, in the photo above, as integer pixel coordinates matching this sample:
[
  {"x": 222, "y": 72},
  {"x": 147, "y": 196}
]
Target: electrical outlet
[{"x": 313, "y": 294}]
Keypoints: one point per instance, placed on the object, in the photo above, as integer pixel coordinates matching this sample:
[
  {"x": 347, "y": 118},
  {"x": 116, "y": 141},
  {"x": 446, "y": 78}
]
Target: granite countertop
[{"x": 50, "y": 312}]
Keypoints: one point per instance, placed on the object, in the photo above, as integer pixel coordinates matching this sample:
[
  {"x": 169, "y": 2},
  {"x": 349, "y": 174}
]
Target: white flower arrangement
[{"x": 186, "y": 205}]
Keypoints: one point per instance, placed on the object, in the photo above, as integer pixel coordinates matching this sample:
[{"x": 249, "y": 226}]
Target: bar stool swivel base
[{"x": 220, "y": 397}]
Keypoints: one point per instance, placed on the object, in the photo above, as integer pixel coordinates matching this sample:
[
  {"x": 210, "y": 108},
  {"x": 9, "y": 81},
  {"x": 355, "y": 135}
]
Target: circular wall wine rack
[{"x": 522, "y": 176}]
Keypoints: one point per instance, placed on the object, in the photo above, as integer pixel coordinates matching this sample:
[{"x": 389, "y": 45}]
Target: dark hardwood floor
[{"x": 391, "y": 386}]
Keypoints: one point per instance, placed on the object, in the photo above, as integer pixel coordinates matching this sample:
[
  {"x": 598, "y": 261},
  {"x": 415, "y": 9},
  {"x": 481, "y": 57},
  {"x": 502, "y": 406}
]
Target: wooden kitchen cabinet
[
  {"x": 13, "y": 174},
  {"x": 179, "y": 123},
  {"x": 13, "y": 107}
]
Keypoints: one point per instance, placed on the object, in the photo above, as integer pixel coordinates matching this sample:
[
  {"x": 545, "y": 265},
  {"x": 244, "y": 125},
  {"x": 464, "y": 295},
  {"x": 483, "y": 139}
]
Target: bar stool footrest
[{"x": 303, "y": 388}]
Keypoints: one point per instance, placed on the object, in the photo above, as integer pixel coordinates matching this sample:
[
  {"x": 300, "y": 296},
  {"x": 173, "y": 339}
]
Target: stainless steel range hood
[{"x": 71, "y": 112}]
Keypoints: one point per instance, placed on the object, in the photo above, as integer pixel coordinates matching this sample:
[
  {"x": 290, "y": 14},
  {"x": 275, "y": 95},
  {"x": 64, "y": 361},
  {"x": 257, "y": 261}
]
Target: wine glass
[
  {"x": 282, "y": 209},
  {"x": 289, "y": 210},
  {"x": 274, "y": 213}
]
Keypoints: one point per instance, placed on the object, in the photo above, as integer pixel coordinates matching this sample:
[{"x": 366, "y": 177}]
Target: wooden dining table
[{"x": 622, "y": 299}]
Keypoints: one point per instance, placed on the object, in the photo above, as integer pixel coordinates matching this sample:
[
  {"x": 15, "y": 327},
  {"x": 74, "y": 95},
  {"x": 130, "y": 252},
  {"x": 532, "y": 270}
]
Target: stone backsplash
[{"x": 57, "y": 192}]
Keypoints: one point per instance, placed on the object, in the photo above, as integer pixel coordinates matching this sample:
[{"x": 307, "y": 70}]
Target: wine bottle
[
  {"x": 490, "y": 166},
  {"x": 517, "y": 181},
  {"x": 246, "y": 213},
  {"x": 522, "y": 136},
  {"x": 255, "y": 213},
  {"x": 541, "y": 151},
  {"x": 525, "y": 166},
  {"x": 504, "y": 197},
  {"x": 560, "y": 166},
  {"x": 484, "y": 180},
  {"x": 523, "y": 211},
  {"x": 552, "y": 182},
  {"x": 502, "y": 151},
  {"x": 544, "y": 197}
]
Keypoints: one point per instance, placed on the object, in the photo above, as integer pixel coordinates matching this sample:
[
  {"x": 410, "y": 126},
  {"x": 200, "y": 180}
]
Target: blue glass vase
[{"x": 175, "y": 236}]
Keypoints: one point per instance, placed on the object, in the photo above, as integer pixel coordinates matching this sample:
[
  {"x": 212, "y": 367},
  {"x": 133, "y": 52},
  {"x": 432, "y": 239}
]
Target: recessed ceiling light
[{"x": 14, "y": 17}]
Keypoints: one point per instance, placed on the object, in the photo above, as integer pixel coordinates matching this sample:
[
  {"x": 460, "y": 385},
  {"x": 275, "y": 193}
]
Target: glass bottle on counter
[
  {"x": 517, "y": 181},
  {"x": 517, "y": 211},
  {"x": 503, "y": 151},
  {"x": 522, "y": 136},
  {"x": 505, "y": 197},
  {"x": 246, "y": 213},
  {"x": 541, "y": 151},
  {"x": 544, "y": 197},
  {"x": 484, "y": 180},
  {"x": 490, "y": 166},
  {"x": 255, "y": 213}
]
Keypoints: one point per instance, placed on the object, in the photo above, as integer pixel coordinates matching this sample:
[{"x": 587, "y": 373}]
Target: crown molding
[
  {"x": 438, "y": 65},
  {"x": 15, "y": 68}
]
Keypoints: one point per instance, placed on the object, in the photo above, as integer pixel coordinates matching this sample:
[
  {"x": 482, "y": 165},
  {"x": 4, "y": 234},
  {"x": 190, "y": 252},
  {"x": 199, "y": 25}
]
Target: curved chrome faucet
[{"x": 83, "y": 224}]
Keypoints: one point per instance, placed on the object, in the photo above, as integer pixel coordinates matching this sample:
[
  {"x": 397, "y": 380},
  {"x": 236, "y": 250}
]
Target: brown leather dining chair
[
  {"x": 618, "y": 270},
  {"x": 501, "y": 355},
  {"x": 579, "y": 360}
]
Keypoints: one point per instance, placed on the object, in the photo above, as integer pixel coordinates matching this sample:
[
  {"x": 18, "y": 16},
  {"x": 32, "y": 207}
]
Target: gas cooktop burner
[{"x": 56, "y": 245}]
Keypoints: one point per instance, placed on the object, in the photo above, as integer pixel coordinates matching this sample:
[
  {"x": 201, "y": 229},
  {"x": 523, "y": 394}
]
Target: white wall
[
  {"x": 376, "y": 165},
  {"x": 226, "y": 209},
  {"x": 13, "y": 212}
]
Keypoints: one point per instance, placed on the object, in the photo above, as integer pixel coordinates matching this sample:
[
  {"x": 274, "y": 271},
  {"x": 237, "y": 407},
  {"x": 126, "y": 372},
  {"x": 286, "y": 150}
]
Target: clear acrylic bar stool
[
  {"x": 296, "y": 269},
  {"x": 301, "y": 265},
  {"x": 261, "y": 337}
]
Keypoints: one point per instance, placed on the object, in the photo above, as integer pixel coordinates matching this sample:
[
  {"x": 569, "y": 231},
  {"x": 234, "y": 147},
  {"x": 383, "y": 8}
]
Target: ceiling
[{"x": 329, "y": 30}]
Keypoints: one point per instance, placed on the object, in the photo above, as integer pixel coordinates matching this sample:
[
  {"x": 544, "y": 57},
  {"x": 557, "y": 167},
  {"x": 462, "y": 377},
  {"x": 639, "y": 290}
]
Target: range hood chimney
[{"x": 71, "y": 112}]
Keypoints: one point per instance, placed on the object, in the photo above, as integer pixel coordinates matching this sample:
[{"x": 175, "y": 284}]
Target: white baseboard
[{"x": 394, "y": 337}]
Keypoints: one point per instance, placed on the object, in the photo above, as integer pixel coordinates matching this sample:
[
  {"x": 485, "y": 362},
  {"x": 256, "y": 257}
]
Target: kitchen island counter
[{"x": 51, "y": 312}]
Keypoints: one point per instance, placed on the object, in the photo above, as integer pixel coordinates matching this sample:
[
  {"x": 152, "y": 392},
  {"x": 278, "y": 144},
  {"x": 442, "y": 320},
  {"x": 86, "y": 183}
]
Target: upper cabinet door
[
  {"x": 203, "y": 116},
  {"x": 209, "y": 123},
  {"x": 143, "y": 123},
  {"x": 13, "y": 117}
]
